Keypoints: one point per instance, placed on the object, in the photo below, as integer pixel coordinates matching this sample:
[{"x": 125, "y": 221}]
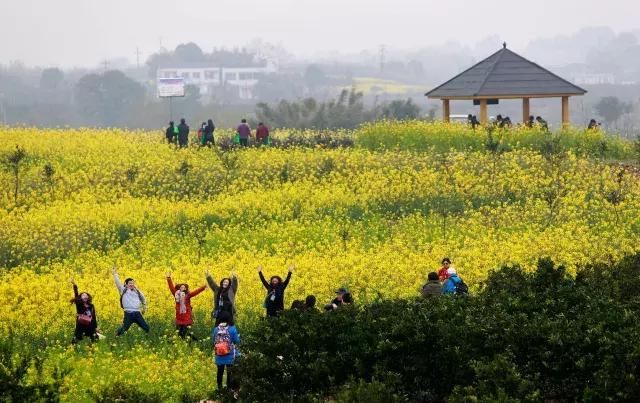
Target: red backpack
[{"x": 222, "y": 344}]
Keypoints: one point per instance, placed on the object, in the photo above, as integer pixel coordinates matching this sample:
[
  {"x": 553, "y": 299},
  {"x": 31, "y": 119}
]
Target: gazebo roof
[{"x": 505, "y": 74}]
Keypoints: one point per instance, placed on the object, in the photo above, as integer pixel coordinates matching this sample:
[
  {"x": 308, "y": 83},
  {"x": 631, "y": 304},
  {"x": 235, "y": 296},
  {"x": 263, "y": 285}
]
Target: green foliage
[
  {"x": 419, "y": 135},
  {"x": 611, "y": 109},
  {"x": 16, "y": 376},
  {"x": 368, "y": 392},
  {"x": 108, "y": 99},
  {"x": 522, "y": 337},
  {"x": 121, "y": 392},
  {"x": 400, "y": 110},
  {"x": 13, "y": 163},
  {"x": 346, "y": 111}
]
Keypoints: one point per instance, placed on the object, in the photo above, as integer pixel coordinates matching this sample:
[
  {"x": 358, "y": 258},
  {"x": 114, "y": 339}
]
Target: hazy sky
[{"x": 84, "y": 32}]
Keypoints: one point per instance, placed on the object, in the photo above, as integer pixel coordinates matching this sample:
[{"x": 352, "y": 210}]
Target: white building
[
  {"x": 593, "y": 78},
  {"x": 208, "y": 77}
]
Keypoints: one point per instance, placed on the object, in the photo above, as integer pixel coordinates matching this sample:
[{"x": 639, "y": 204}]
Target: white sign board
[{"x": 170, "y": 87}]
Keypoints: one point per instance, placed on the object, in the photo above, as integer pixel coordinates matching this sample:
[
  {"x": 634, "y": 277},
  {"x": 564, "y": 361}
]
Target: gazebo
[{"x": 505, "y": 75}]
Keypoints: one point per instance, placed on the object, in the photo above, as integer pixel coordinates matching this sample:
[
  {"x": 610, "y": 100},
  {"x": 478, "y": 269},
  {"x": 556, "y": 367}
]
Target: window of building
[
  {"x": 185, "y": 75},
  {"x": 230, "y": 76},
  {"x": 196, "y": 75},
  {"x": 210, "y": 74},
  {"x": 246, "y": 76},
  {"x": 258, "y": 76},
  {"x": 167, "y": 74}
]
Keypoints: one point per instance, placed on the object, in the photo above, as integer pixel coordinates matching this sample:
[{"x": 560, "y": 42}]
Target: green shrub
[{"x": 522, "y": 337}]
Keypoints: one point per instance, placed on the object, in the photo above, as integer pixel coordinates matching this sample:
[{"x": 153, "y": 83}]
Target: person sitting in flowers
[
  {"x": 274, "y": 301},
  {"x": 454, "y": 285},
  {"x": 224, "y": 295},
  {"x": 132, "y": 302},
  {"x": 184, "y": 317},
  {"x": 442, "y": 273},
  {"x": 432, "y": 288},
  {"x": 86, "y": 320}
]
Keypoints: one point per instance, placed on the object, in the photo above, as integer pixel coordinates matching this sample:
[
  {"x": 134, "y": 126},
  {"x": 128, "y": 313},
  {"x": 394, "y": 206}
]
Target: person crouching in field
[
  {"x": 132, "y": 302},
  {"x": 432, "y": 288},
  {"x": 225, "y": 339},
  {"x": 224, "y": 295},
  {"x": 454, "y": 285},
  {"x": 343, "y": 297},
  {"x": 184, "y": 317},
  {"x": 86, "y": 320},
  {"x": 274, "y": 301}
]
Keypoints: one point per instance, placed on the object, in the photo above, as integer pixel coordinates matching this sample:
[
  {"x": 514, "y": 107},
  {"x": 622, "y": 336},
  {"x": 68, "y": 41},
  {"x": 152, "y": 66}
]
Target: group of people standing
[
  {"x": 505, "y": 122},
  {"x": 225, "y": 336},
  {"x": 179, "y": 135}
]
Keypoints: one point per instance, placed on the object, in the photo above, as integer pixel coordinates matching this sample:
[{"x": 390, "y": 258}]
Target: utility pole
[
  {"x": 381, "y": 59},
  {"x": 3, "y": 108},
  {"x": 105, "y": 65},
  {"x": 138, "y": 53}
]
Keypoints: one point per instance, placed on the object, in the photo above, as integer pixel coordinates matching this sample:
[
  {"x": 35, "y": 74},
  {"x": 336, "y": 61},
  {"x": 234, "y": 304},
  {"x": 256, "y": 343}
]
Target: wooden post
[
  {"x": 565, "y": 111},
  {"x": 445, "y": 110},
  {"x": 484, "y": 116},
  {"x": 526, "y": 111}
]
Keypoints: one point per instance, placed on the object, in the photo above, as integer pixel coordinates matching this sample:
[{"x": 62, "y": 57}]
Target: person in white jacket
[{"x": 132, "y": 302}]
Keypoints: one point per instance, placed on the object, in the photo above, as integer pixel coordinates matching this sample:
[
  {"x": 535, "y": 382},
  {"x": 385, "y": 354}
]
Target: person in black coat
[
  {"x": 183, "y": 133},
  {"x": 207, "y": 134},
  {"x": 543, "y": 123},
  {"x": 274, "y": 301},
  {"x": 343, "y": 296},
  {"x": 170, "y": 132},
  {"x": 86, "y": 320}
]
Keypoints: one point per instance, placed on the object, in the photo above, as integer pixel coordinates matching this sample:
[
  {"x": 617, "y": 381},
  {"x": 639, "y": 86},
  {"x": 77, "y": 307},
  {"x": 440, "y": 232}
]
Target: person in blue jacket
[
  {"x": 225, "y": 338},
  {"x": 454, "y": 285}
]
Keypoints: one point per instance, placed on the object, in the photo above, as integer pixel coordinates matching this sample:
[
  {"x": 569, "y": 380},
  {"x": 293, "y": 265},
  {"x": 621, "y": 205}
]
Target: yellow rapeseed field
[{"x": 373, "y": 221}]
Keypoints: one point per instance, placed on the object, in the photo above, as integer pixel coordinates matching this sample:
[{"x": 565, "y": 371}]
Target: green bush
[{"x": 522, "y": 337}]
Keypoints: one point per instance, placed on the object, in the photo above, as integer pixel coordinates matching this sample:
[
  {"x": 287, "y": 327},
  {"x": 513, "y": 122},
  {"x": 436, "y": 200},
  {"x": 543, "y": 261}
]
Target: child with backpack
[
  {"x": 132, "y": 302},
  {"x": 224, "y": 295},
  {"x": 184, "y": 318},
  {"x": 225, "y": 338},
  {"x": 454, "y": 285},
  {"x": 86, "y": 319},
  {"x": 274, "y": 301}
]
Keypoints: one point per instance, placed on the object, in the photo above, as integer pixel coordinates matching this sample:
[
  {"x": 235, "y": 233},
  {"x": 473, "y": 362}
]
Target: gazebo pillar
[
  {"x": 526, "y": 110},
  {"x": 446, "y": 112},
  {"x": 565, "y": 111},
  {"x": 484, "y": 116}
]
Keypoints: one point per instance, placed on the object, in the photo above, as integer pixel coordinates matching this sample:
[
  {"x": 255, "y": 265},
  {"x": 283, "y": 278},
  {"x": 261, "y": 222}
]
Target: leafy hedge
[{"x": 522, "y": 337}]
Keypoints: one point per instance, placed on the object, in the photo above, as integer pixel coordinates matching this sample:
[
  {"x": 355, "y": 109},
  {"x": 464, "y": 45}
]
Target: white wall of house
[{"x": 207, "y": 78}]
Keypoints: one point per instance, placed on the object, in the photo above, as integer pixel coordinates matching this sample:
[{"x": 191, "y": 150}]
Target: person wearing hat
[
  {"x": 274, "y": 301},
  {"x": 343, "y": 296}
]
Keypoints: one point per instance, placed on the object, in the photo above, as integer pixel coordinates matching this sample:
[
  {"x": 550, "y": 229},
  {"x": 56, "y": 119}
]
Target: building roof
[{"x": 505, "y": 74}]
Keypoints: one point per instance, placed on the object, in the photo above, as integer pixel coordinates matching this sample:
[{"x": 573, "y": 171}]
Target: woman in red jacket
[{"x": 182, "y": 296}]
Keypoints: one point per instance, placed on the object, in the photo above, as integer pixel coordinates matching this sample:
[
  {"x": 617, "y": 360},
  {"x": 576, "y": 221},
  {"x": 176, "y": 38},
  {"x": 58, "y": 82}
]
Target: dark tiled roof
[{"x": 504, "y": 74}]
